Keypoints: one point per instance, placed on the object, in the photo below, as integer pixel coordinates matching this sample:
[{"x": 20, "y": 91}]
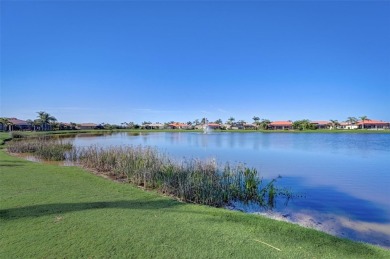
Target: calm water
[{"x": 344, "y": 178}]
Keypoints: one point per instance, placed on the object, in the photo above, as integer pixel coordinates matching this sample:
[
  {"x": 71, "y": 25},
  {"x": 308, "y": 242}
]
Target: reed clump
[
  {"x": 190, "y": 180},
  {"x": 42, "y": 148}
]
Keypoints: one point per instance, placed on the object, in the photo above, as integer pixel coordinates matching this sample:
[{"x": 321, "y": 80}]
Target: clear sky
[{"x": 122, "y": 61}]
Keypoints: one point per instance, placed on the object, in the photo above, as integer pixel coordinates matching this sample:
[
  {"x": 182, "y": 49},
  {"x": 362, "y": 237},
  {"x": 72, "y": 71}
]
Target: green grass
[{"x": 48, "y": 211}]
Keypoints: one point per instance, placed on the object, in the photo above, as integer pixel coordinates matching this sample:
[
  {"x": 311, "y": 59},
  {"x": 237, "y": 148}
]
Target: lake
[{"x": 343, "y": 179}]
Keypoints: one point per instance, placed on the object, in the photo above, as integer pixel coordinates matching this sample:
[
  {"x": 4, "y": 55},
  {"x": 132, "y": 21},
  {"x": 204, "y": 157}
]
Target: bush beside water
[{"x": 190, "y": 180}]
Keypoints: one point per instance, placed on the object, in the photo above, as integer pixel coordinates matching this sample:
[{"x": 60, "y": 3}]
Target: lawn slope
[{"x": 49, "y": 211}]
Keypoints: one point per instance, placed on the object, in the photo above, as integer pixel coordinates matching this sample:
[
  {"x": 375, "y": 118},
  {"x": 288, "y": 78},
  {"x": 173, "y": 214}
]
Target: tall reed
[
  {"x": 42, "y": 148},
  {"x": 191, "y": 180}
]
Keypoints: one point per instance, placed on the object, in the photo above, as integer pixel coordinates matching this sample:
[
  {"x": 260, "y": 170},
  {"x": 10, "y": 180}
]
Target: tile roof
[
  {"x": 372, "y": 122},
  {"x": 15, "y": 121},
  {"x": 281, "y": 123}
]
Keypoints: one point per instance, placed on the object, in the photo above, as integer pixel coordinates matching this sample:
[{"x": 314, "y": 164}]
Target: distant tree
[
  {"x": 256, "y": 120},
  {"x": 189, "y": 123},
  {"x": 241, "y": 122},
  {"x": 146, "y": 122},
  {"x": 196, "y": 122},
  {"x": 31, "y": 124},
  {"x": 334, "y": 123},
  {"x": 203, "y": 121},
  {"x": 219, "y": 121},
  {"x": 303, "y": 125},
  {"x": 45, "y": 119},
  {"x": 264, "y": 124},
  {"x": 352, "y": 120},
  {"x": 73, "y": 125},
  {"x": 6, "y": 124},
  {"x": 130, "y": 125},
  {"x": 230, "y": 120},
  {"x": 364, "y": 118}
]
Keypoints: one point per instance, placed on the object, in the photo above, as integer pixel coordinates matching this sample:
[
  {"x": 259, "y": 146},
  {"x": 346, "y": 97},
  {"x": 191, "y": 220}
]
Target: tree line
[{"x": 45, "y": 121}]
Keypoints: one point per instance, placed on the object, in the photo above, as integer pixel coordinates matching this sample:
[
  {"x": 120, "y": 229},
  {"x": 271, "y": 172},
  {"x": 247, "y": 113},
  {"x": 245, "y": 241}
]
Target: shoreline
[
  {"x": 342, "y": 227},
  {"x": 331, "y": 224}
]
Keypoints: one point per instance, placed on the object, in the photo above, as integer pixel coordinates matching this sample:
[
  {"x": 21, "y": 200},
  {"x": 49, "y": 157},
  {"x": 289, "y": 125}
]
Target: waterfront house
[
  {"x": 347, "y": 125},
  {"x": 153, "y": 126},
  {"x": 373, "y": 124},
  {"x": 17, "y": 124},
  {"x": 214, "y": 126},
  {"x": 250, "y": 126},
  {"x": 321, "y": 124},
  {"x": 280, "y": 125},
  {"x": 179, "y": 125},
  {"x": 84, "y": 126}
]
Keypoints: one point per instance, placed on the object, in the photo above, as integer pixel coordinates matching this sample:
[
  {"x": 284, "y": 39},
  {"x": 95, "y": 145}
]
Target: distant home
[
  {"x": 347, "y": 125},
  {"x": 321, "y": 124},
  {"x": 153, "y": 126},
  {"x": 249, "y": 126},
  {"x": 84, "y": 126},
  {"x": 373, "y": 124},
  {"x": 280, "y": 125},
  {"x": 179, "y": 125},
  {"x": 214, "y": 126},
  {"x": 16, "y": 124}
]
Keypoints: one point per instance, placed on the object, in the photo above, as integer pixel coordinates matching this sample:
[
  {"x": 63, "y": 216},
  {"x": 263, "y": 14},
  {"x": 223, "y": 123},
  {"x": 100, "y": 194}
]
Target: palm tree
[
  {"x": 6, "y": 123},
  {"x": 230, "y": 120},
  {"x": 364, "y": 118},
  {"x": 351, "y": 120},
  {"x": 219, "y": 121},
  {"x": 335, "y": 123},
  {"x": 264, "y": 123},
  {"x": 44, "y": 119},
  {"x": 256, "y": 120}
]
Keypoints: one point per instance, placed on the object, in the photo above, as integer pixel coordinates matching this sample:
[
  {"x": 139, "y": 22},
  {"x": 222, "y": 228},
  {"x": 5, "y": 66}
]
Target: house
[
  {"x": 179, "y": 125},
  {"x": 237, "y": 126},
  {"x": 373, "y": 124},
  {"x": 214, "y": 126},
  {"x": 17, "y": 124},
  {"x": 84, "y": 126},
  {"x": 280, "y": 125},
  {"x": 250, "y": 126},
  {"x": 153, "y": 126},
  {"x": 321, "y": 124},
  {"x": 347, "y": 125}
]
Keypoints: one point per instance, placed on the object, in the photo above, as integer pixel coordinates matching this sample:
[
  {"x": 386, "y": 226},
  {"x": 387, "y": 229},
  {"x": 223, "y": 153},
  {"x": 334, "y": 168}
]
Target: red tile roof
[
  {"x": 178, "y": 124},
  {"x": 281, "y": 123},
  {"x": 372, "y": 122}
]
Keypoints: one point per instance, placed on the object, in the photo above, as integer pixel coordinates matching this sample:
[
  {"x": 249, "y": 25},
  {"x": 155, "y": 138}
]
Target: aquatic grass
[
  {"x": 42, "y": 148},
  {"x": 190, "y": 180}
]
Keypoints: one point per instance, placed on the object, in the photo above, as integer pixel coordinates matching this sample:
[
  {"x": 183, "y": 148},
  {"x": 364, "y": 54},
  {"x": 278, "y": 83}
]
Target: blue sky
[{"x": 122, "y": 61}]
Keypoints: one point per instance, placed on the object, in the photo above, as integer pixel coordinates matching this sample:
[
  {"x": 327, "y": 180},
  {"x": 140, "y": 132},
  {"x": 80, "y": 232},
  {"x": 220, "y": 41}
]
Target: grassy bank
[{"x": 52, "y": 211}]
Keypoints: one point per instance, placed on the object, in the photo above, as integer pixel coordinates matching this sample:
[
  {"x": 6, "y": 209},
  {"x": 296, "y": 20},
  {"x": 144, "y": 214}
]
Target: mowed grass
[{"x": 49, "y": 211}]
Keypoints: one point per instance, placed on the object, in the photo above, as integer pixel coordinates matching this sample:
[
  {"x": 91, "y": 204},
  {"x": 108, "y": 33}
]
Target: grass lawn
[{"x": 49, "y": 211}]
